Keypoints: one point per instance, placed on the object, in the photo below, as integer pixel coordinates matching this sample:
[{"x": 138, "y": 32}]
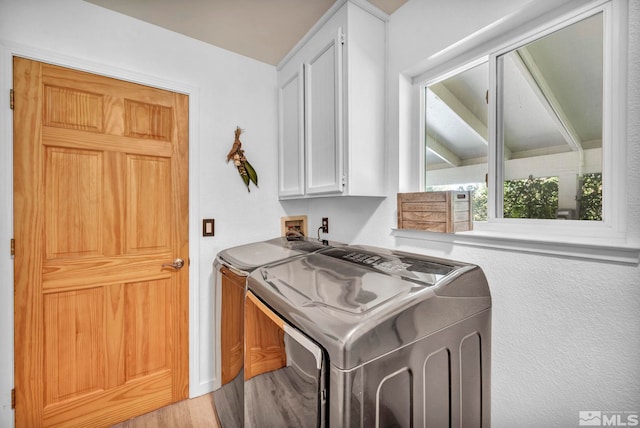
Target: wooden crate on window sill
[{"x": 448, "y": 211}]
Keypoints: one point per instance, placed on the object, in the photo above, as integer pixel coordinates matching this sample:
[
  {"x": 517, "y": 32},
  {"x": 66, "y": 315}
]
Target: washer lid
[
  {"x": 250, "y": 256},
  {"x": 359, "y": 303},
  {"x": 351, "y": 280}
]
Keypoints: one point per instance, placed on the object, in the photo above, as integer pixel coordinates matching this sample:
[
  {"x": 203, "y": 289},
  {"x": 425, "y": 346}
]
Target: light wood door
[{"x": 101, "y": 202}]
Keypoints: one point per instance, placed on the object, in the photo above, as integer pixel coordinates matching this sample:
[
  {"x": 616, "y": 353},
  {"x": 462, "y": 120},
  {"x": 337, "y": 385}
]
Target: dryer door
[{"x": 284, "y": 372}]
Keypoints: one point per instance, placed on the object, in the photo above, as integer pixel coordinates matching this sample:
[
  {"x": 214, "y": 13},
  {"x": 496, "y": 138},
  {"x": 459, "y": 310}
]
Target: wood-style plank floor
[{"x": 198, "y": 412}]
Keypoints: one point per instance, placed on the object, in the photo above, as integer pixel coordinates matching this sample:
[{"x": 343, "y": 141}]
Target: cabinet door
[
  {"x": 323, "y": 119},
  {"x": 291, "y": 144}
]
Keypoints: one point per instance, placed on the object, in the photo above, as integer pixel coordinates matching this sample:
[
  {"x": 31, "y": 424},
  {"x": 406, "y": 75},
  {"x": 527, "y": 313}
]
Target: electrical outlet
[{"x": 325, "y": 224}]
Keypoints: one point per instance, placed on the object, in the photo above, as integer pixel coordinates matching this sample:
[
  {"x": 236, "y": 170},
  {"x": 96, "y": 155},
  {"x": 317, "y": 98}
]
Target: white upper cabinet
[{"x": 331, "y": 95}]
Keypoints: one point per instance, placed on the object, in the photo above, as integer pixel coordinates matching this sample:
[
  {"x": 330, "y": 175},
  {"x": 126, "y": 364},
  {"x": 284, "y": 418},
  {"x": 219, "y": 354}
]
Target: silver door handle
[{"x": 177, "y": 264}]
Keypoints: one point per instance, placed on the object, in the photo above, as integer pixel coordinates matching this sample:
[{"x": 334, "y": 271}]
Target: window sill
[{"x": 616, "y": 250}]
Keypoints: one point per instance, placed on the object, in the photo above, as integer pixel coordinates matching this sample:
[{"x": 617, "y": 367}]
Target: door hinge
[
  {"x": 11, "y": 99},
  {"x": 13, "y": 398},
  {"x": 13, "y": 247},
  {"x": 342, "y": 38}
]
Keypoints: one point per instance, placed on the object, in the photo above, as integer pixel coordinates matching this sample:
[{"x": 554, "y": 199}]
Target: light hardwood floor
[{"x": 198, "y": 412}]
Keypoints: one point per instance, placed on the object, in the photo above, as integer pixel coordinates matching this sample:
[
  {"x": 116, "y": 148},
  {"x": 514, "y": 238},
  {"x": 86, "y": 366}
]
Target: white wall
[
  {"x": 566, "y": 332},
  {"x": 228, "y": 90}
]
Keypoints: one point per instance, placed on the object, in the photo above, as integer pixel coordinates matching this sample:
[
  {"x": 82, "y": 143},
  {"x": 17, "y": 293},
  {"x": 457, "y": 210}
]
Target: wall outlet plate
[{"x": 208, "y": 227}]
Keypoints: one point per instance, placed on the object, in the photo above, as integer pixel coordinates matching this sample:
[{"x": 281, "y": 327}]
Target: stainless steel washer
[
  {"x": 231, "y": 267},
  {"x": 364, "y": 337}
]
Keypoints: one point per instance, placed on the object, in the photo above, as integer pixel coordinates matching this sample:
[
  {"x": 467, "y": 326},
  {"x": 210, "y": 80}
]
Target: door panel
[
  {"x": 147, "y": 218},
  {"x": 147, "y": 327},
  {"x": 74, "y": 327},
  {"x": 73, "y": 109},
  {"x": 101, "y": 202},
  {"x": 77, "y": 199}
]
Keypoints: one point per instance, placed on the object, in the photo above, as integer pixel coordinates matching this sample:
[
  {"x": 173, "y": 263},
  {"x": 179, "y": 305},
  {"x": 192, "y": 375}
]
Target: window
[
  {"x": 549, "y": 107},
  {"x": 456, "y": 134},
  {"x": 533, "y": 127}
]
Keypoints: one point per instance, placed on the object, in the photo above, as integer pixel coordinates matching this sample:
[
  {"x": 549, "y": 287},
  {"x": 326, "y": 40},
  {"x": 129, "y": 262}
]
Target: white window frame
[
  {"x": 611, "y": 146},
  {"x": 606, "y": 239}
]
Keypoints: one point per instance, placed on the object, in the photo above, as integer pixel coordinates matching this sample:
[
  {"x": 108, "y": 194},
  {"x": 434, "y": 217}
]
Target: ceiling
[
  {"x": 265, "y": 30},
  {"x": 552, "y": 101}
]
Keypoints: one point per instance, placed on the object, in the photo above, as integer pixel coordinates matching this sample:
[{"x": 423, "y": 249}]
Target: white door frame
[{"x": 7, "y": 51}]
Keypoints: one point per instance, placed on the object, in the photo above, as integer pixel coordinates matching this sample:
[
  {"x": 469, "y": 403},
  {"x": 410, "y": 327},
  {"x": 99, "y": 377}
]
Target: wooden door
[{"x": 101, "y": 202}]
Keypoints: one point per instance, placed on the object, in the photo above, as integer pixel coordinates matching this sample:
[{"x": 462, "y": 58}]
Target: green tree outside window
[
  {"x": 531, "y": 198},
  {"x": 534, "y": 197},
  {"x": 590, "y": 198}
]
